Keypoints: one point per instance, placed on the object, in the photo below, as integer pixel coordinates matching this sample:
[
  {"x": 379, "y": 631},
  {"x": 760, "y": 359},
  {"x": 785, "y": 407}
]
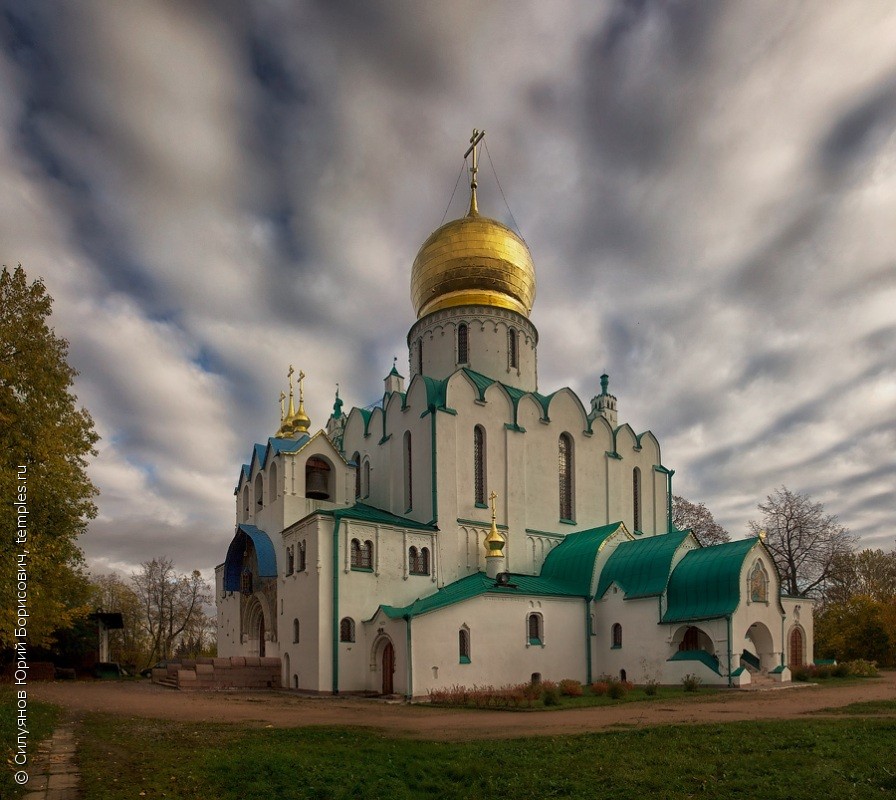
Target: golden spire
[
  {"x": 301, "y": 420},
  {"x": 475, "y": 139},
  {"x": 292, "y": 409},
  {"x": 494, "y": 541}
]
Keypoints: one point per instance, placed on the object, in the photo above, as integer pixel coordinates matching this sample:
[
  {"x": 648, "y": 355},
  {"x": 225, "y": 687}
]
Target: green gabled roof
[
  {"x": 572, "y": 561},
  {"x": 706, "y": 582},
  {"x": 479, "y": 584},
  {"x": 365, "y": 513},
  {"x": 641, "y": 568}
]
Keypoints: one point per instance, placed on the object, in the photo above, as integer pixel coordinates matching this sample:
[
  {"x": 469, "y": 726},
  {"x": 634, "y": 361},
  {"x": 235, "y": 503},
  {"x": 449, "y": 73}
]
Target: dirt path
[{"x": 285, "y": 709}]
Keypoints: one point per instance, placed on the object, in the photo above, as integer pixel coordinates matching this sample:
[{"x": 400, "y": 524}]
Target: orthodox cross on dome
[
  {"x": 493, "y": 497},
  {"x": 282, "y": 409},
  {"x": 475, "y": 139}
]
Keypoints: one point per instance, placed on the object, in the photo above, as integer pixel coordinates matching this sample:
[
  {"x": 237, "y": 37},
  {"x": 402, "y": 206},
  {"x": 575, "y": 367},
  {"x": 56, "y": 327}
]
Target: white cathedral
[{"x": 472, "y": 530}]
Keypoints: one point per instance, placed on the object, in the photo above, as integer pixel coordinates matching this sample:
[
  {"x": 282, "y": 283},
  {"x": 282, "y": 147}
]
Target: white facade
[{"x": 359, "y": 557}]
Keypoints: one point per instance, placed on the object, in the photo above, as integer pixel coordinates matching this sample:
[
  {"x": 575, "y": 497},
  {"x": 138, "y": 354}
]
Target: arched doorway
[
  {"x": 388, "y": 667},
  {"x": 761, "y": 646},
  {"x": 797, "y": 649}
]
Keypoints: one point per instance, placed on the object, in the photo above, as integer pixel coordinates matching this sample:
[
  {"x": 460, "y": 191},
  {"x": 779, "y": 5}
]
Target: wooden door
[{"x": 388, "y": 667}]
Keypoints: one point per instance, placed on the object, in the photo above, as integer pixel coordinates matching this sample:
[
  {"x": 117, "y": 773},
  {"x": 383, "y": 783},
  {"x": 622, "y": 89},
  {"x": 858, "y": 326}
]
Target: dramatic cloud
[{"x": 212, "y": 192}]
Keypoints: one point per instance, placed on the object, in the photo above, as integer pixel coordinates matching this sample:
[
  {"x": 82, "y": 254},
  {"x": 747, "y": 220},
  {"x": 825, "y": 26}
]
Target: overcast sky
[{"x": 212, "y": 191}]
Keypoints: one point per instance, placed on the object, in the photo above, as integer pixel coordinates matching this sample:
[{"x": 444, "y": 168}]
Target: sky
[{"x": 213, "y": 191}]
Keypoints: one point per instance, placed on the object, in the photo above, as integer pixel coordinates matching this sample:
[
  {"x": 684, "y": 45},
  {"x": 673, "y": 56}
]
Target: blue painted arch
[{"x": 264, "y": 551}]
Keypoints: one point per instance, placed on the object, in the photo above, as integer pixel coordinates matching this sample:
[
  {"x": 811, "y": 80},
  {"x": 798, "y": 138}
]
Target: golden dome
[{"x": 473, "y": 261}]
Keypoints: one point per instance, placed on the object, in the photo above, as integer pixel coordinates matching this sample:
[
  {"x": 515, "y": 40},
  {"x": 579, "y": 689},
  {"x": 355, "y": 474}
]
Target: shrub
[
  {"x": 618, "y": 689},
  {"x": 651, "y": 687},
  {"x": 571, "y": 688},
  {"x": 840, "y": 670},
  {"x": 691, "y": 682},
  {"x": 822, "y": 672},
  {"x": 550, "y": 693},
  {"x": 801, "y": 674},
  {"x": 861, "y": 668},
  {"x": 599, "y": 688}
]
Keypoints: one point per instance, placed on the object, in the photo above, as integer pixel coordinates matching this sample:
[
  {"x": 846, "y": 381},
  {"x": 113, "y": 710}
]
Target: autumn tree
[
  {"x": 697, "y": 518},
  {"x": 870, "y": 573},
  {"x": 804, "y": 542},
  {"x": 130, "y": 645},
  {"x": 169, "y": 604},
  {"x": 45, "y": 441}
]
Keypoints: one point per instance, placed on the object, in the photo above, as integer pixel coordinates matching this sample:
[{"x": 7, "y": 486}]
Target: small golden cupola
[
  {"x": 293, "y": 423},
  {"x": 473, "y": 261}
]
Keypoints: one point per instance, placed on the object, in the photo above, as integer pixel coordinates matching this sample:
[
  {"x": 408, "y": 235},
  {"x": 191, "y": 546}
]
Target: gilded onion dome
[{"x": 473, "y": 261}]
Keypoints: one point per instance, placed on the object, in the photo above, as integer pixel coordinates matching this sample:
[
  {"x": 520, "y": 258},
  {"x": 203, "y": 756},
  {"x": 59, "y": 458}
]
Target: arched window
[
  {"x": 535, "y": 627},
  {"x": 636, "y": 498},
  {"x": 412, "y": 560},
  {"x": 366, "y": 482},
  {"x": 408, "y": 472},
  {"x": 511, "y": 348},
  {"x": 317, "y": 479},
  {"x": 424, "y": 561},
  {"x": 302, "y": 556},
  {"x": 355, "y": 553},
  {"x": 367, "y": 555},
  {"x": 347, "y": 630},
  {"x": 245, "y": 503},
  {"x": 259, "y": 491},
  {"x": 290, "y": 560},
  {"x": 617, "y": 635},
  {"x": 356, "y": 460},
  {"x": 566, "y": 466},
  {"x": 295, "y": 631},
  {"x": 479, "y": 465},
  {"x": 273, "y": 487},
  {"x": 463, "y": 645},
  {"x": 246, "y": 581},
  {"x": 463, "y": 347},
  {"x": 420, "y": 356},
  {"x": 418, "y": 560}
]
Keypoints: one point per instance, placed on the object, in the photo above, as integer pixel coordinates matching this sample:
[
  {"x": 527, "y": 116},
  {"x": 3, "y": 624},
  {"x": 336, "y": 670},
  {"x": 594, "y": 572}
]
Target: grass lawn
[
  {"x": 41, "y": 721},
  {"x": 848, "y": 758}
]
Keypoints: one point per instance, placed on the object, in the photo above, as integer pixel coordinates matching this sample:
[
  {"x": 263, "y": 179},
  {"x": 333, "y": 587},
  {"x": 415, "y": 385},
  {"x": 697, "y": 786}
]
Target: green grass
[
  {"x": 849, "y": 758},
  {"x": 42, "y": 719},
  {"x": 864, "y": 708}
]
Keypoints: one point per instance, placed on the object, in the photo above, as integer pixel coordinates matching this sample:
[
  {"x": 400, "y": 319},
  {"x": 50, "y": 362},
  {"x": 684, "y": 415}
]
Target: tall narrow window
[
  {"x": 511, "y": 348},
  {"x": 290, "y": 560},
  {"x": 413, "y": 556},
  {"x": 535, "y": 629},
  {"x": 565, "y": 470},
  {"x": 273, "y": 483},
  {"x": 295, "y": 631},
  {"x": 366, "y": 486},
  {"x": 617, "y": 635},
  {"x": 479, "y": 465},
  {"x": 636, "y": 498},
  {"x": 302, "y": 562},
  {"x": 420, "y": 356},
  {"x": 463, "y": 348},
  {"x": 408, "y": 473},
  {"x": 463, "y": 645},
  {"x": 424, "y": 561},
  {"x": 356, "y": 460},
  {"x": 356, "y": 553},
  {"x": 347, "y": 630}
]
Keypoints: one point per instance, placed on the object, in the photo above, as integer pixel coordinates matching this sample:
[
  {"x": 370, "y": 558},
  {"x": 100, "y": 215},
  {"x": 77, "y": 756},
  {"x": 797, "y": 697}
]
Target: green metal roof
[
  {"x": 365, "y": 513},
  {"x": 706, "y": 582},
  {"x": 697, "y": 655},
  {"x": 572, "y": 561},
  {"x": 479, "y": 584},
  {"x": 641, "y": 567}
]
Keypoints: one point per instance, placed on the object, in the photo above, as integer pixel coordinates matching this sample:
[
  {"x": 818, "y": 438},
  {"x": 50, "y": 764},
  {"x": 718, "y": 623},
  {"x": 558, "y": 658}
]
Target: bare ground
[{"x": 288, "y": 709}]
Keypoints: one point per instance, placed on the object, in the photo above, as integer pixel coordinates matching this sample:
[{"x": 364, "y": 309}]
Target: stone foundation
[{"x": 237, "y": 672}]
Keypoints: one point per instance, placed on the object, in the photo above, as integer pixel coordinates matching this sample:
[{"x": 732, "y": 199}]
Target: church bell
[{"x": 317, "y": 479}]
